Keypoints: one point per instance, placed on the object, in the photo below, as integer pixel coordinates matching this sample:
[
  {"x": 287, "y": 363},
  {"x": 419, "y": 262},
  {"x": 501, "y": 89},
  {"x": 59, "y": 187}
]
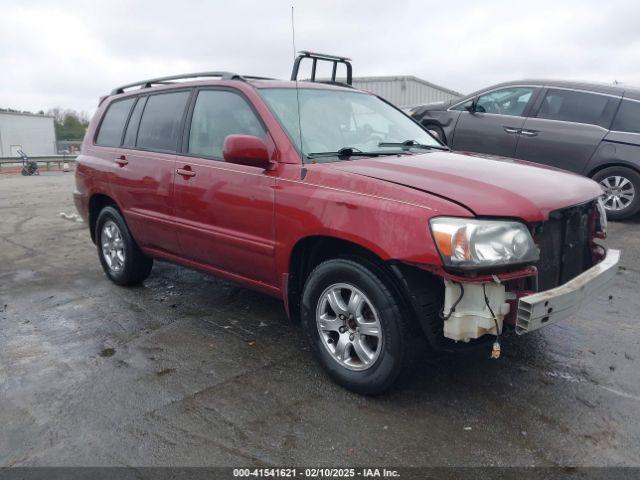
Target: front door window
[{"x": 508, "y": 101}]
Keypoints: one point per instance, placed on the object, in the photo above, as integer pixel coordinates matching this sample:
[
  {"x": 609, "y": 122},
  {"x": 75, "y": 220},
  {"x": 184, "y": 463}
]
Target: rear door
[
  {"x": 224, "y": 211},
  {"x": 144, "y": 178},
  {"x": 566, "y": 127},
  {"x": 494, "y": 124}
]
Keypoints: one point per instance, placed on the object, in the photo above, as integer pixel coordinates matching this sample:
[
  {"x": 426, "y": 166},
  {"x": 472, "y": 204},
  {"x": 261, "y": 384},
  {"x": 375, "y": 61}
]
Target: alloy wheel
[
  {"x": 349, "y": 326},
  {"x": 619, "y": 192},
  {"x": 112, "y": 246}
]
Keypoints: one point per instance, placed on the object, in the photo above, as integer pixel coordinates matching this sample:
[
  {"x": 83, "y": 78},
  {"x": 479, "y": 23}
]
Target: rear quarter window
[
  {"x": 161, "y": 120},
  {"x": 113, "y": 122},
  {"x": 628, "y": 117}
]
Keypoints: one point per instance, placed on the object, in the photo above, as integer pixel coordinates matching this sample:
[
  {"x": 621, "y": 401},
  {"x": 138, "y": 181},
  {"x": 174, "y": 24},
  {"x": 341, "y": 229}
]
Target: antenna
[{"x": 293, "y": 38}]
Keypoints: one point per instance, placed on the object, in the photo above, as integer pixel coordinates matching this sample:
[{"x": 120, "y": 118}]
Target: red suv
[{"x": 374, "y": 234}]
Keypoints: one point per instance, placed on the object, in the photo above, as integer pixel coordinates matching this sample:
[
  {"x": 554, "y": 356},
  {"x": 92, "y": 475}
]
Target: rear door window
[
  {"x": 578, "y": 107},
  {"x": 161, "y": 120},
  {"x": 628, "y": 117},
  {"x": 134, "y": 122},
  {"x": 112, "y": 126},
  {"x": 216, "y": 114}
]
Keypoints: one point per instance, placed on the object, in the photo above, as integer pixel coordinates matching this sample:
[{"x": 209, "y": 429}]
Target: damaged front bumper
[{"x": 544, "y": 308}]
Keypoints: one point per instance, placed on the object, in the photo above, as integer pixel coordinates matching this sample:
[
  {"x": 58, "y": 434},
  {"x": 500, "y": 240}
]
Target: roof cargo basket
[
  {"x": 325, "y": 58},
  {"x": 163, "y": 80}
]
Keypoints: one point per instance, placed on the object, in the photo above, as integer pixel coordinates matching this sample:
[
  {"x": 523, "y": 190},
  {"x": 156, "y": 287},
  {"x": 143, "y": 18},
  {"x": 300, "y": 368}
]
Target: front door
[
  {"x": 493, "y": 125},
  {"x": 224, "y": 212},
  {"x": 566, "y": 129}
]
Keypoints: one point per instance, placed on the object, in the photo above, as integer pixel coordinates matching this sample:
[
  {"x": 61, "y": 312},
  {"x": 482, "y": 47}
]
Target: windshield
[{"x": 335, "y": 120}]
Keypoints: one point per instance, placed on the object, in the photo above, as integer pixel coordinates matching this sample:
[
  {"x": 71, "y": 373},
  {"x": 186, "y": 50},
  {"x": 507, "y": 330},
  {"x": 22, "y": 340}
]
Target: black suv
[{"x": 587, "y": 128}]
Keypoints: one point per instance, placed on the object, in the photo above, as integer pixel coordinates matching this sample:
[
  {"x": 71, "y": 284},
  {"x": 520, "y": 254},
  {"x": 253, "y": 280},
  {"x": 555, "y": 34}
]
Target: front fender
[{"x": 390, "y": 220}]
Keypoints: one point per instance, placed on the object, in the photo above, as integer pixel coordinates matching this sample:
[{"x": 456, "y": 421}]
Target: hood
[
  {"x": 434, "y": 106},
  {"x": 488, "y": 186}
]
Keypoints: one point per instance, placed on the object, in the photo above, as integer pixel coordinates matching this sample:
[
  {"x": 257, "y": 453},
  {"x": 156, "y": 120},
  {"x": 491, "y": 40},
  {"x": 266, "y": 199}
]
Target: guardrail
[{"x": 44, "y": 160}]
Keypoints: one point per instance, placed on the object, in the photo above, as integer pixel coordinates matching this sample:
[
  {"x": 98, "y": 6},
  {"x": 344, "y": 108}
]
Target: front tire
[
  {"x": 622, "y": 187},
  {"x": 120, "y": 257},
  {"x": 437, "y": 132},
  {"x": 355, "y": 325}
]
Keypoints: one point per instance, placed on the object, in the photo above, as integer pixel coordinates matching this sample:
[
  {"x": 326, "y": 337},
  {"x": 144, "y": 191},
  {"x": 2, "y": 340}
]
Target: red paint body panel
[
  {"x": 328, "y": 202},
  {"x": 144, "y": 189},
  {"x": 242, "y": 222},
  {"x": 224, "y": 218},
  {"x": 489, "y": 186},
  {"x": 246, "y": 150}
]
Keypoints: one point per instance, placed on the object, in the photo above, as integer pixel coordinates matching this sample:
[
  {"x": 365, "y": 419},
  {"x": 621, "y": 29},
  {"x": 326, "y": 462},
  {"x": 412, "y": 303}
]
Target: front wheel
[
  {"x": 622, "y": 191},
  {"x": 120, "y": 256},
  {"x": 437, "y": 132},
  {"x": 355, "y": 325}
]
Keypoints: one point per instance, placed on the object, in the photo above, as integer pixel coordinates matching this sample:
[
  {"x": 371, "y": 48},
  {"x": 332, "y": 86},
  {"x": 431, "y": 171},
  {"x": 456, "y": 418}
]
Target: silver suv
[{"x": 587, "y": 128}]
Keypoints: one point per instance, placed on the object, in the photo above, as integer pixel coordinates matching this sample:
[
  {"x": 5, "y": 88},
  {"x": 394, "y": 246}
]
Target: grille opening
[{"x": 565, "y": 245}]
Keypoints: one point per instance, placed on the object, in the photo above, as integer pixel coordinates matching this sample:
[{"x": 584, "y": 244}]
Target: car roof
[
  {"x": 597, "y": 87},
  {"x": 151, "y": 86}
]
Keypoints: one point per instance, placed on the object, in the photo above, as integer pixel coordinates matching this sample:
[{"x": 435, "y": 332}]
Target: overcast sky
[{"x": 68, "y": 53}]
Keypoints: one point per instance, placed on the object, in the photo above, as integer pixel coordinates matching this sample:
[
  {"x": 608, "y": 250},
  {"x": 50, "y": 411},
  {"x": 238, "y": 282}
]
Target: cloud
[{"x": 68, "y": 53}]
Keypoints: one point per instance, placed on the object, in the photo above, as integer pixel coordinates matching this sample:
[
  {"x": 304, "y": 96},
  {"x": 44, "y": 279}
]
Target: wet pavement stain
[{"x": 107, "y": 352}]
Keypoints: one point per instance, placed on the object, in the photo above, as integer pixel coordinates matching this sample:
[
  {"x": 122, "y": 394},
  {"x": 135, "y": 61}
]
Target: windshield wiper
[
  {"x": 407, "y": 144},
  {"x": 347, "y": 152}
]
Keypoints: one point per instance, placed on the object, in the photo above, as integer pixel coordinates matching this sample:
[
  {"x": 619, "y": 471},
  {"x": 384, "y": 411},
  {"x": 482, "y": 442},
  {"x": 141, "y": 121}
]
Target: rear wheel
[
  {"x": 121, "y": 258},
  {"x": 355, "y": 326},
  {"x": 622, "y": 191}
]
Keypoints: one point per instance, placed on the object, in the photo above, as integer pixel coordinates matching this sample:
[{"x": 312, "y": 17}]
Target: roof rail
[
  {"x": 314, "y": 56},
  {"x": 161, "y": 80}
]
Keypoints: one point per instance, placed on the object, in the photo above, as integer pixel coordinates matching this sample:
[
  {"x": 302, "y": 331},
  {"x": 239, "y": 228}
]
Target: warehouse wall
[
  {"x": 405, "y": 91},
  {"x": 35, "y": 134}
]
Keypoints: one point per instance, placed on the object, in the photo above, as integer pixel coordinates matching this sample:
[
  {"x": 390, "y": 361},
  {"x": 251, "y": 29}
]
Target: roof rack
[
  {"x": 314, "y": 56},
  {"x": 164, "y": 80}
]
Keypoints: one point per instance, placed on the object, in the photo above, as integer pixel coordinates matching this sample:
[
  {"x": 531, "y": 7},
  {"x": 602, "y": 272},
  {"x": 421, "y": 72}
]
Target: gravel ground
[{"x": 191, "y": 370}]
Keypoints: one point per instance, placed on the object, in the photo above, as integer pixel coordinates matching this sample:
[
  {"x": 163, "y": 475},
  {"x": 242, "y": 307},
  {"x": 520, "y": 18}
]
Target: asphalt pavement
[{"x": 191, "y": 370}]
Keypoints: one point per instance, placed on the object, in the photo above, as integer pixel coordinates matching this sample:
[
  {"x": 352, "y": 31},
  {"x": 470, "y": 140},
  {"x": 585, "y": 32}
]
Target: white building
[
  {"x": 34, "y": 134},
  {"x": 406, "y": 90}
]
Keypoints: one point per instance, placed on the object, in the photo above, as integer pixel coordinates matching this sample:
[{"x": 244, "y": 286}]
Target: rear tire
[
  {"x": 367, "y": 350},
  {"x": 622, "y": 185},
  {"x": 120, "y": 257}
]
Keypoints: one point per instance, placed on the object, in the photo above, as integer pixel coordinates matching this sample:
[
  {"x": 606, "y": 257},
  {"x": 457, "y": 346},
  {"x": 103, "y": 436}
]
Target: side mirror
[
  {"x": 246, "y": 150},
  {"x": 471, "y": 107}
]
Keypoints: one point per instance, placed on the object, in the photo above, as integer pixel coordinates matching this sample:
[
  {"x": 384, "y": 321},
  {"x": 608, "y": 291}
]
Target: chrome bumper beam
[{"x": 544, "y": 308}]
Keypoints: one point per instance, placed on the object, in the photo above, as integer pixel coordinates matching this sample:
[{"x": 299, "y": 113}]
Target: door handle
[
  {"x": 186, "y": 172},
  {"x": 529, "y": 133},
  {"x": 121, "y": 160},
  {"x": 511, "y": 130}
]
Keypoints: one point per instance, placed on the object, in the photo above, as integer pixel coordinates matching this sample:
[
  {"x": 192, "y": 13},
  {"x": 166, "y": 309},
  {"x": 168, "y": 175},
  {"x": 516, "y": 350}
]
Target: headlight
[
  {"x": 468, "y": 243},
  {"x": 601, "y": 224}
]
